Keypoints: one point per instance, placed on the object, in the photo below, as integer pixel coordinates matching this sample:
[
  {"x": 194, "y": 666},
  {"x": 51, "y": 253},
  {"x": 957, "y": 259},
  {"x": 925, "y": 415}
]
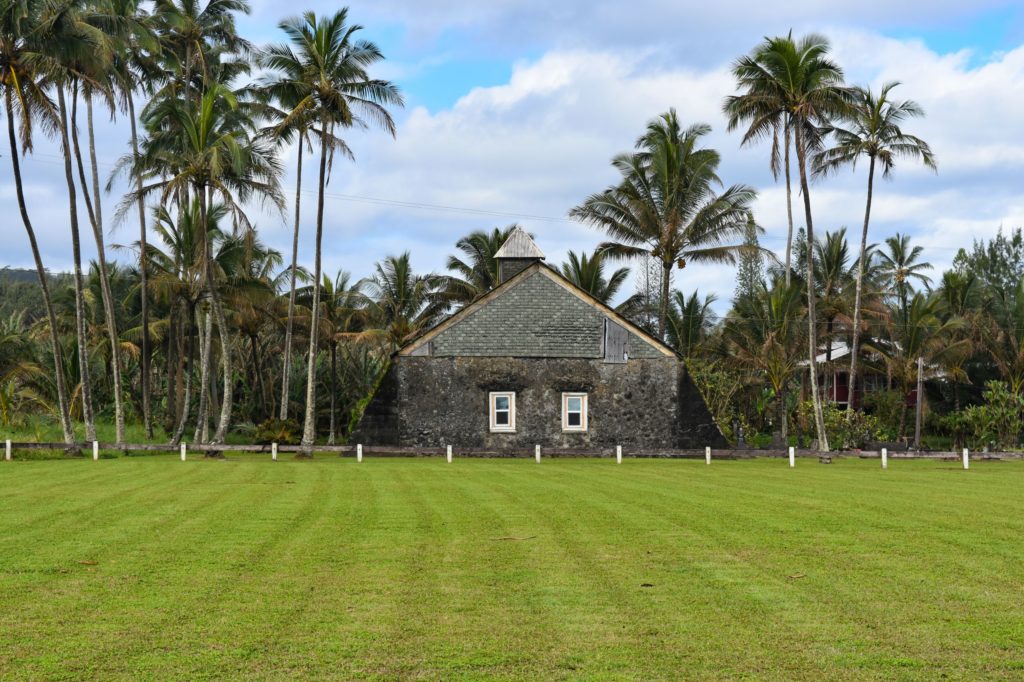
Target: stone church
[{"x": 537, "y": 360}]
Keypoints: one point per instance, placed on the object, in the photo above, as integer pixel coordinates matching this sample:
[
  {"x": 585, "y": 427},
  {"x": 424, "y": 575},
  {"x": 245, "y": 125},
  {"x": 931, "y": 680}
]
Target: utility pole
[{"x": 919, "y": 403}]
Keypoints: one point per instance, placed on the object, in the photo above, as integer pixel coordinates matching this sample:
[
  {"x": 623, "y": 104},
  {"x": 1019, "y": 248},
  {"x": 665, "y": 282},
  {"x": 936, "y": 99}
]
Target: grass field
[{"x": 149, "y": 568}]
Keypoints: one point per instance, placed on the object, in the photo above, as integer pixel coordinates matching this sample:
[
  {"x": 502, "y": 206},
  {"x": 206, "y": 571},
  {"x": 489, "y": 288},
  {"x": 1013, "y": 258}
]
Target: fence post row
[
  {"x": 707, "y": 455},
  {"x": 7, "y": 450},
  {"x": 885, "y": 458},
  {"x": 536, "y": 453},
  {"x": 95, "y": 450},
  {"x": 359, "y": 452},
  {"x": 448, "y": 454},
  {"x": 792, "y": 457},
  {"x": 967, "y": 459},
  {"x": 618, "y": 454},
  {"x": 183, "y": 450}
]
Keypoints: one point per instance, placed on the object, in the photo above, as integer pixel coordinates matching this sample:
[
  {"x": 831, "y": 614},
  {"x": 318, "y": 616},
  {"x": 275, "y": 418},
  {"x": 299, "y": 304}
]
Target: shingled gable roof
[{"x": 554, "y": 276}]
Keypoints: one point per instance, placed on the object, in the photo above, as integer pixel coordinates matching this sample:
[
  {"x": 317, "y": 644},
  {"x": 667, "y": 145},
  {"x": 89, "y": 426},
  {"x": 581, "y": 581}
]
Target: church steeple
[{"x": 517, "y": 253}]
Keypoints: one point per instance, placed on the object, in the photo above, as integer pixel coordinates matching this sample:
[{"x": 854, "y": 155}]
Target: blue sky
[{"x": 514, "y": 108}]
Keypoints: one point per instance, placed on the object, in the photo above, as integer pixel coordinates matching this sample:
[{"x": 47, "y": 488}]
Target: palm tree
[
  {"x": 327, "y": 69},
  {"x": 764, "y": 107},
  {"x": 900, "y": 266},
  {"x": 764, "y": 334},
  {"x": 587, "y": 272},
  {"x": 70, "y": 51},
  {"x": 690, "y": 322},
  {"x": 918, "y": 334},
  {"x": 477, "y": 272},
  {"x": 666, "y": 204},
  {"x": 342, "y": 314},
  {"x": 25, "y": 103},
  {"x": 873, "y": 131},
  {"x": 834, "y": 279},
  {"x": 202, "y": 152},
  {"x": 401, "y": 303},
  {"x": 800, "y": 74}
]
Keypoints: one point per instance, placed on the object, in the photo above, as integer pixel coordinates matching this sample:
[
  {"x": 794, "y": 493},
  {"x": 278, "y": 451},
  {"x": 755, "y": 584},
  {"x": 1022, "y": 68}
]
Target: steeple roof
[{"x": 519, "y": 245}]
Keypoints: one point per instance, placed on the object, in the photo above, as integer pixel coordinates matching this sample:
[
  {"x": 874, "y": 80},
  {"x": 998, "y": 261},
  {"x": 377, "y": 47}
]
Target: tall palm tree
[
  {"x": 834, "y": 279},
  {"x": 587, "y": 272},
  {"x": 476, "y": 272},
  {"x": 899, "y": 264},
  {"x": 70, "y": 52},
  {"x": 26, "y": 103},
  {"x": 872, "y": 129},
  {"x": 343, "y": 314},
  {"x": 764, "y": 107},
  {"x": 690, "y": 322},
  {"x": 327, "y": 66},
  {"x": 800, "y": 73},
  {"x": 667, "y": 206},
  {"x": 202, "y": 152}
]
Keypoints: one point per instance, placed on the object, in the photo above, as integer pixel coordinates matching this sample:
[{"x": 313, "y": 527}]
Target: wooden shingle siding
[{"x": 534, "y": 318}]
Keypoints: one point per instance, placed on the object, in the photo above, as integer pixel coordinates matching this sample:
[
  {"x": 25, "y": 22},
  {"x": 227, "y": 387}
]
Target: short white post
[
  {"x": 885, "y": 458},
  {"x": 618, "y": 454},
  {"x": 448, "y": 454},
  {"x": 967, "y": 459},
  {"x": 183, "y": 449},
  {"x": 792, "y": 457},
  {"x": 95, "y": 450},
  {"x": 536, "y": 453},
  {"x": 7, "y": 450},
  {"x": 273, "y": 452},
  {"x": 359, "y": 452},
  {"x": 707, "y": 455}
]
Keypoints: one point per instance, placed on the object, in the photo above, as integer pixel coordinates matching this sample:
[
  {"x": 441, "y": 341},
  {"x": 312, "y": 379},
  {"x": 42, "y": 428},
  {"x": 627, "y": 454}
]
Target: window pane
[
  {"x": 501, "y": 418},
  {"x": 501, "y": 402},
  {"x": 574, "y": 419},
  {"x": 575, "y": 404}
]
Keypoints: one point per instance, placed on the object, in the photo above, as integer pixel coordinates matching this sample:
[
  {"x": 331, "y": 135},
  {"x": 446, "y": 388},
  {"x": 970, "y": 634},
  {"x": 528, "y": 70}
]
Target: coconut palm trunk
[
  {"x": 789, "y": 208},
  {"x": 58, "y": 361},
  {"x": 309, "y": 427},
  {"x": 666, "y": 284},
  {"x": 76, "y": 249},
  {"x": 289, "y": 324},
  {"x": 203, "y": 413},
  {"x": 855, "y": 338},
  {"x": 145, "y": 361},
  {"x": 334, "y": 393},
  {"x": 94, "y": 211},
  {"x": 812, "y": 336},
  {"x": 223, "y": 332}
]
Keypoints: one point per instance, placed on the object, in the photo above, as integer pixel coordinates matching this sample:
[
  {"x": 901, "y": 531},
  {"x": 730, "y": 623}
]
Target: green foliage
[
  {"x": 885, "y": 407},
  {"x": 846, "y": 430},
  {"x": 998, "y": 422},
  {"x": 282, "y": 431},
  {"x": 998, "y": 263},
  {"x": 718, "y": 383}
]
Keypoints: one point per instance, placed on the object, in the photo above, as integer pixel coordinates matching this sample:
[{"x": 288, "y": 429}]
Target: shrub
[
  {"x": 998, "y": 422},
  {"x": 846, "y": 430},
  {"x": 282, "y": 431}
]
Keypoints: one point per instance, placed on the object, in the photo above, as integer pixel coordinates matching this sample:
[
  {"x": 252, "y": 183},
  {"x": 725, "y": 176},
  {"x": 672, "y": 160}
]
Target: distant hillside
[{"x": 19, "y": 291}]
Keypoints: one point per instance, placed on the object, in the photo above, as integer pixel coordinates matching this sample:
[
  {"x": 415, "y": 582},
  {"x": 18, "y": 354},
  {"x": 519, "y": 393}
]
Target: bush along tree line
[{"x": 203, "y": 330}]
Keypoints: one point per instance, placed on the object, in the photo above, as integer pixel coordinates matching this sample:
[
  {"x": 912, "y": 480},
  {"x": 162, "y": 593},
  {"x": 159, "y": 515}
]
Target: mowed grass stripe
[{"x": 246, "y": 569}]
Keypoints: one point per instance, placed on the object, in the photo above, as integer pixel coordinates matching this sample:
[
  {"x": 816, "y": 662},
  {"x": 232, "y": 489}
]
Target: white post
[
  {"x": 618, "y": 454},
  {"x": 273, "y": 452},
  {"x": 449, "y": 454},
  {"x": 182, "y": 452},
  {"x": 536, "y": 453},
  {"x": 707, "y": 455},
  {"x": 7, "y": 450},
  {"x": 885, "y": 458},
  {"x": 95, "y": 451},
  {"x": 792, "y": 457},
  {"x": 967, "y": 459},
  {"x": 359, "y": 452}
]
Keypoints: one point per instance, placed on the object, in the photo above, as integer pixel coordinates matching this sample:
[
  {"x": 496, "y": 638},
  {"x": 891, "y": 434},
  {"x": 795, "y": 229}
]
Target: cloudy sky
[{"x": 514, "y": 108}]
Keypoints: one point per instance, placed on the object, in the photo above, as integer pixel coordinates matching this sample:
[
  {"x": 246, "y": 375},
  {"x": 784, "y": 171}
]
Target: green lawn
[{"x": 149, "y": 568}]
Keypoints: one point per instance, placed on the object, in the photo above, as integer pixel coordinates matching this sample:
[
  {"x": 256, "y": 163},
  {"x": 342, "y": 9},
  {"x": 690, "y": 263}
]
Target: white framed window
[
  {"x": 503, "y": 411},
  {"x": 574, "y": 411}
]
